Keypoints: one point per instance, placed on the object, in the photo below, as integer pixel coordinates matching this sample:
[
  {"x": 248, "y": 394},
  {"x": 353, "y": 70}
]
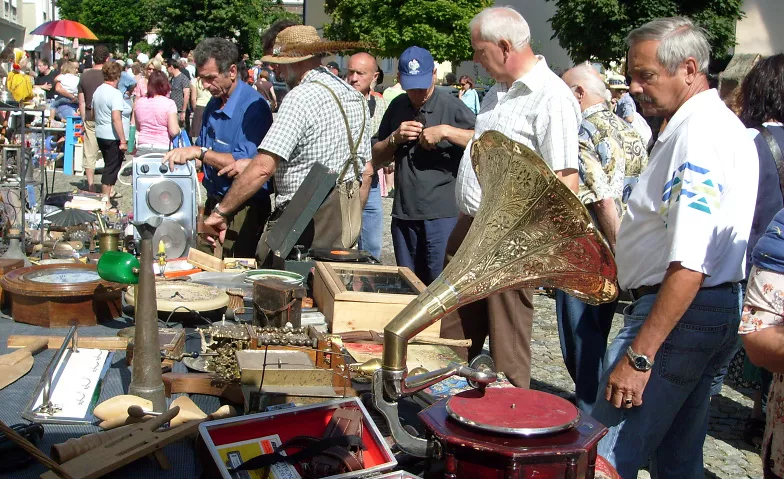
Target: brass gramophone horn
[{"x": 530, "y": 231}]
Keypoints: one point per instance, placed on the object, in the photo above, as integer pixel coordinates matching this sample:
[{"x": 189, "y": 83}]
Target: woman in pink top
[
  {"x": 156, "y": 116},
  {"x": 143, "y": 77}
]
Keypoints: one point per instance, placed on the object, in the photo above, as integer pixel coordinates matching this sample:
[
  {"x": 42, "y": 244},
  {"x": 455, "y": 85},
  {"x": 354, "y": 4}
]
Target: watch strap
[
  {"x": 220, "y": 213},
  {"x": 203, "y": 153},
  {"x": 634, "y": 356}
]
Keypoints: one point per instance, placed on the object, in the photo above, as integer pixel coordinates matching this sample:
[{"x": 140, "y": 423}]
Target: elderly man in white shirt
[
  {"x": 530, "y": 105},
  {"x": 680, "y": 253}
]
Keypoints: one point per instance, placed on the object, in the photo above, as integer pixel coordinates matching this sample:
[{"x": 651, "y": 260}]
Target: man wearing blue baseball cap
[{"x": 424, "y": 132}]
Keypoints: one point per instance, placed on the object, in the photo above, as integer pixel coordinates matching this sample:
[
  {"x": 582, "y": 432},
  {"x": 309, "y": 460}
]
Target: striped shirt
[
  {"x": 537, "y": 110},
  {"x": 309, "y": 128}
]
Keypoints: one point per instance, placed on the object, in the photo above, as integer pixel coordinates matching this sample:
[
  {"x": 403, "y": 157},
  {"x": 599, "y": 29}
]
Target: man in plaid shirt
[{"x": 309, "y": 126}]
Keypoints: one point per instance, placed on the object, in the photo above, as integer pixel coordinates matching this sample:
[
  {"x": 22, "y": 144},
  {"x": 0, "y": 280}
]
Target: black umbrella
[{"x": 71, "y": 217}]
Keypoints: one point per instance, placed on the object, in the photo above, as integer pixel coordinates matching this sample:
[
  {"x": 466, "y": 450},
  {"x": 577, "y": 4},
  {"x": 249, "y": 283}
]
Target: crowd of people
[{"x": 691, "y": 212}]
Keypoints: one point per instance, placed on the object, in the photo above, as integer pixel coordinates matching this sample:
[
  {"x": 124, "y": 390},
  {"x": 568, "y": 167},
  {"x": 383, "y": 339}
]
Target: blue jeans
[
  {"x": 372, "y": 222},
  {"x": 583, "y": 330},
  {"x": 420, "y": 245},
  {"x": 670, "y": 426}
]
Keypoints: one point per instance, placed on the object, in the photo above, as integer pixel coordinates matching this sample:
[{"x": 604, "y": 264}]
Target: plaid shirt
[
  {"x": 309, "y": 128},
  {"x": 537, "y": 110}
]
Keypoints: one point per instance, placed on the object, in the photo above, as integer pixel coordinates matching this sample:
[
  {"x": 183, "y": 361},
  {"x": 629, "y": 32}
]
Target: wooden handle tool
[{"x": 31, "y": 349}]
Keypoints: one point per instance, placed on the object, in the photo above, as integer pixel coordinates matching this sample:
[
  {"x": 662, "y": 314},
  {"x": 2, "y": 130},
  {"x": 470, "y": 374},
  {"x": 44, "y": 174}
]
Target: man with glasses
[{"x": 235, "y": 120}]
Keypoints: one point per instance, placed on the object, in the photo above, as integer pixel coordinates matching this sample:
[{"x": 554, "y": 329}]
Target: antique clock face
[
  {"x": 63, "y": 276},
  {"x": 180, "y": 295}
]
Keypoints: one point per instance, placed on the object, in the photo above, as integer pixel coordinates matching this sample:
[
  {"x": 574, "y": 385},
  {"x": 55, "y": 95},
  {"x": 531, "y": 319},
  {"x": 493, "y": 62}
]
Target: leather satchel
[{"x": 338, "y": 221}]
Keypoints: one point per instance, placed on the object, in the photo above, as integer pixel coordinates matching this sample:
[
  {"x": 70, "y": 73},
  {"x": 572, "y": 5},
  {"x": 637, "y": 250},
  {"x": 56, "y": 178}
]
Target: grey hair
[
  {"x": 502, "y": 23},
  {"x": 589, "y": 78},
  {"x": 221, "y": 50},
  {"x": 680, "y": 39}
]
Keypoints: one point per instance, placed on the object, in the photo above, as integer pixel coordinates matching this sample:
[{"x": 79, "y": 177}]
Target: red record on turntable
[
  {"x": 340, "y": 255},
  {"x": 514, "y": 411}
]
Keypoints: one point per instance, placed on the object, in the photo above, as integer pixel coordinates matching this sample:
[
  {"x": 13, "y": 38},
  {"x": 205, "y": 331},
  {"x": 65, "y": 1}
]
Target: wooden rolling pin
[{"x": 74, "y": 447}]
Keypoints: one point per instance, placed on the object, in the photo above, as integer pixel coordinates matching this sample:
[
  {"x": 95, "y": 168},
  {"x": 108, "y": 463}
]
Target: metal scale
[{"x": 70, "y": 386}]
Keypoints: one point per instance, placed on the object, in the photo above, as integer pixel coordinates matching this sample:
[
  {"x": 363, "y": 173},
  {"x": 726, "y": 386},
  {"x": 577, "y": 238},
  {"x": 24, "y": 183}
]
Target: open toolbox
[{"x": 236, "y": 440}]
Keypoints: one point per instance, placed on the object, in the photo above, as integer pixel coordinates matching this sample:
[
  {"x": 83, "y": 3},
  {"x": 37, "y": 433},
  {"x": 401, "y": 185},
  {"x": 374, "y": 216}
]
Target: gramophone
[{"x": 530, "y": 231}]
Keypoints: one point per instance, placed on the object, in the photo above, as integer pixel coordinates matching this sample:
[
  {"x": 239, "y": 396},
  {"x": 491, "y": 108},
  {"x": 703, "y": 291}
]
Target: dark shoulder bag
[{"x": 338, "y": 221}]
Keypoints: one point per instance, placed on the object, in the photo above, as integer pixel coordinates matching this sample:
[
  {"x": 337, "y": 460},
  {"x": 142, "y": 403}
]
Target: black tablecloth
[{"x": 15, "y": 397}]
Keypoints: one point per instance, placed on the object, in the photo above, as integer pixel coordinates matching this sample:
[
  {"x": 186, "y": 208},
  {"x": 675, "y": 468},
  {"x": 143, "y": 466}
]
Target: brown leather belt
[{"x": 637, "y": 293}]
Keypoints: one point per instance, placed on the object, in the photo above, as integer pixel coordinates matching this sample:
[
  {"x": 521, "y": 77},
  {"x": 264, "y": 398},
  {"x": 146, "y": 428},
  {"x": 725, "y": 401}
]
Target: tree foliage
[
  {"x": 112, "y": 21},
  {"x": 183, "y": 23},
  {"x": 595, "y": 29},
  {"x": 441, "y": 26}
]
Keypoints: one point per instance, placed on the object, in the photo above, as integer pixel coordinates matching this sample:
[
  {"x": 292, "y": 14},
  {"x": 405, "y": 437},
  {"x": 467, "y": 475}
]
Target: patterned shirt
[
  {"x": 612, "y": 156},
  {"x": 537, "y": 110},
  {"x": 763, "y": 308},
  {"x": 178, "y": 86},
  {"x": 309, "y": 128}
]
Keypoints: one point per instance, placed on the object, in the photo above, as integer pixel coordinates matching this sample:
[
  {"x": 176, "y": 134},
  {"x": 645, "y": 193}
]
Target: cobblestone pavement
[{"x": 726, "y": 455}]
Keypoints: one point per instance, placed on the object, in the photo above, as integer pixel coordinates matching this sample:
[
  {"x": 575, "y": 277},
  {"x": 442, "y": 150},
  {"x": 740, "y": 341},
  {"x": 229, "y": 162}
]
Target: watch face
[
  {"x": 641, "y": 363},
  {"x": 64, "y": 275}
]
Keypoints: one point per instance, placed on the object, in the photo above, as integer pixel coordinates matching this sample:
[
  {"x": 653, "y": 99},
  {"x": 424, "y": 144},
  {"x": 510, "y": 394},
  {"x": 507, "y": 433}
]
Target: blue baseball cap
[{"x": 416, "y": 67}]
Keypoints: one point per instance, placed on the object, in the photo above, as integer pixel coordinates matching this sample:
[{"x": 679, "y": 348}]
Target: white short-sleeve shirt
[
  {"x": 107, "y": 99},
  {"x": 695, "y": 201},
  {"x": 539, "y": 111}
]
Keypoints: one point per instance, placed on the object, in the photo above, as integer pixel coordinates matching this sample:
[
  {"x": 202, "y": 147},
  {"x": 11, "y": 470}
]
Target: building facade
[
  {"x": 36, "y": 12},
  {"x": 11, "y": 26},
  {"x": 759, "y": 31}
]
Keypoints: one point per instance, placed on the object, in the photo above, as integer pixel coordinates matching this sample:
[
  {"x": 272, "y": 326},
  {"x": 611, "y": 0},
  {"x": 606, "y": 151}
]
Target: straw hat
[
  {"x": 617, "y": 82},
  {"x": 301, "y": 42}
]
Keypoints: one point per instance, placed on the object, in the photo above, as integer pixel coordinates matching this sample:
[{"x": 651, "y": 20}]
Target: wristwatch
[
  {"x": 640, "y": 362},
  {"x": 203, "y": 152},
  {"x": 216, "y": 209}
]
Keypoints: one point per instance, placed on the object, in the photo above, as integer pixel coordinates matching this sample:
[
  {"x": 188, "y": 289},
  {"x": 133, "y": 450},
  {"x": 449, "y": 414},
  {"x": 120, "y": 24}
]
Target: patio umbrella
[
  {"x": 71, "y": 217},
  {"x": 64, "y": 28}
]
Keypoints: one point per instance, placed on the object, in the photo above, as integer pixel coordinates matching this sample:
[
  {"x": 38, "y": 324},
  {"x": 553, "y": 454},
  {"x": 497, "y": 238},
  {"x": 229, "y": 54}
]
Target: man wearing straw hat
[
  {"x": 309, "y": 126},
  {"x": 626, "y": 108}
]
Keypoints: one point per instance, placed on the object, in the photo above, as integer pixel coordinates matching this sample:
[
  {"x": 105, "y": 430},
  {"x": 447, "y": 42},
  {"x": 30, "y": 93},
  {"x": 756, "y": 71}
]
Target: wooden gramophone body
[{"x": 468, "y": 450}]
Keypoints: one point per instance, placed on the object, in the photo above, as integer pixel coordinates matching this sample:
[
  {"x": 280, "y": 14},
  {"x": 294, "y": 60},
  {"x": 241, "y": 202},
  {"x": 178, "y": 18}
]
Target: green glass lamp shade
[{"x": 119, "y": 267}]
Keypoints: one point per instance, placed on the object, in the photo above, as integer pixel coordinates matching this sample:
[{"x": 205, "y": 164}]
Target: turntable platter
[
  {"x": 513, "y": 411},
  {"x": 165, "y": 197},
  {"x": 174, "y": 238}
]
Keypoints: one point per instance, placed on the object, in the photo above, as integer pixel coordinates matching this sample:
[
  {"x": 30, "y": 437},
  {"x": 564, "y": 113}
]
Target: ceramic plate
[{"x": 285, "y": 276}]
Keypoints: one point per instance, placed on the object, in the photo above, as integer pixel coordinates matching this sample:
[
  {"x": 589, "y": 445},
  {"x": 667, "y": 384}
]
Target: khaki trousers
[
  {"x": 90, "y": 145},
  {"x": 506, "y": 317}
]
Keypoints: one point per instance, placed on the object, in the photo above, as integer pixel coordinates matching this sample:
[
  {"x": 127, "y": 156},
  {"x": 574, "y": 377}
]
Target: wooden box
[
  {"x": 276, "y": 303},
  {"x": 359, "y": 297}
]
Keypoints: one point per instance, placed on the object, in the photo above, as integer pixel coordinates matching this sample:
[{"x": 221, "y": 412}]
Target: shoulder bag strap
[
  {"x": 353, "y": 147},
  {"x": 775, "y": 150}
]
